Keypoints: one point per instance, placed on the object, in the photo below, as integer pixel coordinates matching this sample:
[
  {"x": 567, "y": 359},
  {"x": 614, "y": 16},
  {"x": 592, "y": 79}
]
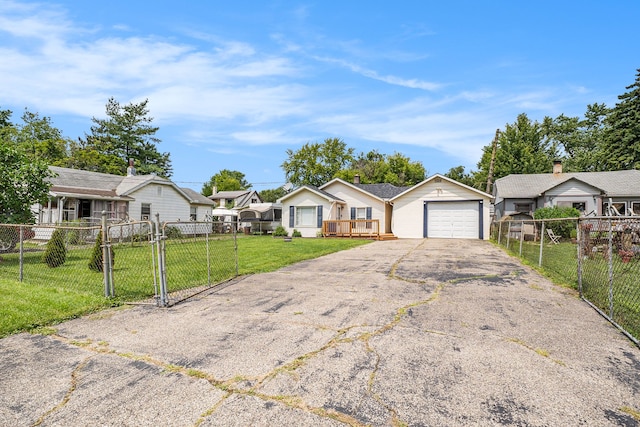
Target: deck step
[{"x": 387, "y": 236}]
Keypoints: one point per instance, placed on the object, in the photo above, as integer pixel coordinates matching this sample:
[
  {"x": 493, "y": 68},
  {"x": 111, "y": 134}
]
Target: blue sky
[{"x": 233, "y": 85}]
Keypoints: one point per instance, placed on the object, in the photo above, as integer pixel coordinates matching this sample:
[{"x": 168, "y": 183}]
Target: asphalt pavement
[{"x": 395, "y": 333}]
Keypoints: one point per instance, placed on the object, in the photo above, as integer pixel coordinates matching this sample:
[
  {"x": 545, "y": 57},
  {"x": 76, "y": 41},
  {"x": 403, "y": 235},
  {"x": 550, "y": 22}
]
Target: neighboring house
[
  {"x": 441, "y": 207},
  {"x": 235, "y": 199},
  {"x": 592, "y": 193},
  {"x": 436, "y": 207},
  {"x": 83, "y": 195}
]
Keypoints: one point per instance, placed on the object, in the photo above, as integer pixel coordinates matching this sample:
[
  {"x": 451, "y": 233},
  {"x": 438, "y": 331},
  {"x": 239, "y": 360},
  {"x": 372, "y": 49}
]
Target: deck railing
[{"x": 351, "y": 228}]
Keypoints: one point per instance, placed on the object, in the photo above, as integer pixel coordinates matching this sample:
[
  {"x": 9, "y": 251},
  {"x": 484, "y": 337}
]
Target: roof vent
[{"x": 557, "y": 167}]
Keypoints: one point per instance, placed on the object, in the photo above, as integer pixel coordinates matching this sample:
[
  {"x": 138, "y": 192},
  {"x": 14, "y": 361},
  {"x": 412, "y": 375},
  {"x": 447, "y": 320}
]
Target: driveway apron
[{"x": 427, "y": 332}]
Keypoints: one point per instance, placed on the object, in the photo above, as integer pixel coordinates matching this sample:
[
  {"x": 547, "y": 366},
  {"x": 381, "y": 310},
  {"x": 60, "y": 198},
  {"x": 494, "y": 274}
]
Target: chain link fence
[
  {"x": 26, "y": 256},
  {"x": 196, "y": 256},
  {"x": 133, "y": 261},
  {"x": 600, "y": 257}
]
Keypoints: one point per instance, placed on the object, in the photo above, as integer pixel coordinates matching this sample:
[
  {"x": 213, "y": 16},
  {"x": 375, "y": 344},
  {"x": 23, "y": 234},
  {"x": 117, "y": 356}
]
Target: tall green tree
[
  {"x": 39, "y": 139},
  {"x": 523, "y": 148},
  {"x": 272, "y": 194},
  {"x": 225, "y": 180},
  {"x": 622, "y": 140},
  {"x": 127, "y": 133},
  {"x": 458, "y": 173},
  {"x": 317, "y": 163},
  {"x": 580, "y": 140},
  {"x": 23, "y": 182}
]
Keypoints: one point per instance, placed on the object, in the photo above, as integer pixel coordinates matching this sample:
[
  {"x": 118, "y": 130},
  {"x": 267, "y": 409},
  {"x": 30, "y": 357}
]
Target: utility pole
[{"x": 493, "y": 161}]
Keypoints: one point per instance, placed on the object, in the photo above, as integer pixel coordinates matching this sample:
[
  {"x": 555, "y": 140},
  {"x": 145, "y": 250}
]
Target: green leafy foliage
[
  {"x": 316, "y": 163},
  {"x": 280, "y": 231},
  {"x": 561, "y": 228},
  {"x": 296, "y": 233},
  {"x": 622, "y": 141},
  {"x": 272, "y": 195},
  {"x": 225, "y": 180},
  {"x": 56, "y": 252},
  {"x": 23, "y": 182}
]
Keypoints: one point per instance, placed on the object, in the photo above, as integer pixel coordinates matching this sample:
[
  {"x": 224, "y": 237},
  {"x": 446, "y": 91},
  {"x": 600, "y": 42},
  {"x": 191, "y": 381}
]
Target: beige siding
[
  {"x": 170, "y": 204},
  {"x": 356, "y": 199},
  {"x": 408, "y": 209},
  {"x": 307, "y": 198}
]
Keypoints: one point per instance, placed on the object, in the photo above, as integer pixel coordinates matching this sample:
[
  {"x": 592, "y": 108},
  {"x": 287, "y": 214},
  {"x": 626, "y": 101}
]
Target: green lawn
[{"x": 50, "y": 295}]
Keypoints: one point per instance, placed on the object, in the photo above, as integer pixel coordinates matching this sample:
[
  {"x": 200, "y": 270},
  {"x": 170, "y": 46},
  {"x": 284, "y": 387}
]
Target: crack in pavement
[
  {"x": 68, "y": 394},
  {"x": 237, "y": 384}
]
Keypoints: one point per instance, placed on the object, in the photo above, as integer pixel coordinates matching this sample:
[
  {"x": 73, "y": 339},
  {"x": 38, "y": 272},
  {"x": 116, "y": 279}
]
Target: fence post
[
  {"x": 542, "y": 230},
  {"x": 610, "y": 252},
  {"x": 164, "y": 298},
  {"x": 106, "y": 258},
  {"x": 508, "y": 233},
  {"x": 21, "y": 252},
  {"x": 521, "y": 236},
  {"x": 499, "y": 231},
  {"x": 579, "y": 238}
]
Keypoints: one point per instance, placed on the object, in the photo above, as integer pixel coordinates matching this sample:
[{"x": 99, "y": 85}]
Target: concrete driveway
[{"x": 397, "y": 333}]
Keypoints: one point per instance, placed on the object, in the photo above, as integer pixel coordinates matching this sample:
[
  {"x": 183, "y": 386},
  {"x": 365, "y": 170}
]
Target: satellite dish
[{"x": 287, "y": 187}]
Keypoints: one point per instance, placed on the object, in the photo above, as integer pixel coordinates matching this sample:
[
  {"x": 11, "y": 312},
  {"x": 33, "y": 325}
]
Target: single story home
[
  {"x": 83, "y": 195},
  {"x": 437, "y": 207},
  {"x": 592, "y": 193}
]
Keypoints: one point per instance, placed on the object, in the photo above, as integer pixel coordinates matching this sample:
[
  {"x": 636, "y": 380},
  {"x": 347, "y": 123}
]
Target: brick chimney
[
  {"x": 356, "y": 179},
  {"x": 557, "y": 167}
]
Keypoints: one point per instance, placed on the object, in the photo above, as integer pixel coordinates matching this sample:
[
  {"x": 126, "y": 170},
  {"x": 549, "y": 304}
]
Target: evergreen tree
[
  {"x": 126, "y": 134},
  {"x": 622, "y": 141},
  {"x": 56, "y": 252}
]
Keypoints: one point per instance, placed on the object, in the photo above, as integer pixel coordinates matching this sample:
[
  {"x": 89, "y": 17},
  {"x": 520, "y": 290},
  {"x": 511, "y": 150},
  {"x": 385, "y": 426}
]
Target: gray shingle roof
[
  {"x": 614, "y": 183},
  {"x": 197, "y": 197},
  {"x": 383, "y": 191}
]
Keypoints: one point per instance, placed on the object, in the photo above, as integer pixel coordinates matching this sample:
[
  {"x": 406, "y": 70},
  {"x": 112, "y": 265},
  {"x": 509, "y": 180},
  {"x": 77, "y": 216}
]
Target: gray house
[
  {"x": 592, "y": 193},
  {"x": 83, "y": 195}
]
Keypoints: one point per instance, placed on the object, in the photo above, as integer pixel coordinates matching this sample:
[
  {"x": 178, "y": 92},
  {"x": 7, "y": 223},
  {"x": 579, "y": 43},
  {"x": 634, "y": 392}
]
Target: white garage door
[{"x": 457, "y": 220}]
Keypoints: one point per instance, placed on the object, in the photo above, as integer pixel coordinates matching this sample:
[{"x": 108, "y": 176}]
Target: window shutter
[
  {"x": 292, "y": 216},
  {"x": 353, "y": 213},
  {"x": 319, "y": 216},
  {"x": 369, "y": 212}
]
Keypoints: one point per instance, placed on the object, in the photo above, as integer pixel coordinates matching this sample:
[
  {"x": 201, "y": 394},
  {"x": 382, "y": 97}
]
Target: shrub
[
  {"x": 280, "y": 231},
  {"x": 296, "y": 233},
  {"x": 95, "y": 263},
  {"x": 561, "y": 228},
  {"x": 173, "y": 233},
  {"x": 56, "y": 253}
]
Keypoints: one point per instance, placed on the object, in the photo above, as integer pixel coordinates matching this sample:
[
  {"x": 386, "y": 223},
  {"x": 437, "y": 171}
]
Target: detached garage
[{"x": 440, "y": 207}]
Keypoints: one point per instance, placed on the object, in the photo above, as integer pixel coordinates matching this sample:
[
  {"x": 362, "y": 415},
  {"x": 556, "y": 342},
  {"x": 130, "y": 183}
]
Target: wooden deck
[{"x": 355, "y": 228}]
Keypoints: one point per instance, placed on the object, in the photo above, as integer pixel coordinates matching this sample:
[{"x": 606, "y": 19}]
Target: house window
[
  {"x": 361, "y": 213},
  {"x": 581, "y": 206},
  {"x": 615, "y": 209},
  {"x": 306, "y": 216},
  {"x": 522, "y": 207},
  {"x": 145, "y": 211},
  {"x": 634, "y": 208},
  {"x": 193, "y": 213}
]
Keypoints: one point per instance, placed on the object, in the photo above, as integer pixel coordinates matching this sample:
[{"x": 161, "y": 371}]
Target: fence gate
[
  {"x": 132, "y": 256},
  {"x": 194, "y": 256}
]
